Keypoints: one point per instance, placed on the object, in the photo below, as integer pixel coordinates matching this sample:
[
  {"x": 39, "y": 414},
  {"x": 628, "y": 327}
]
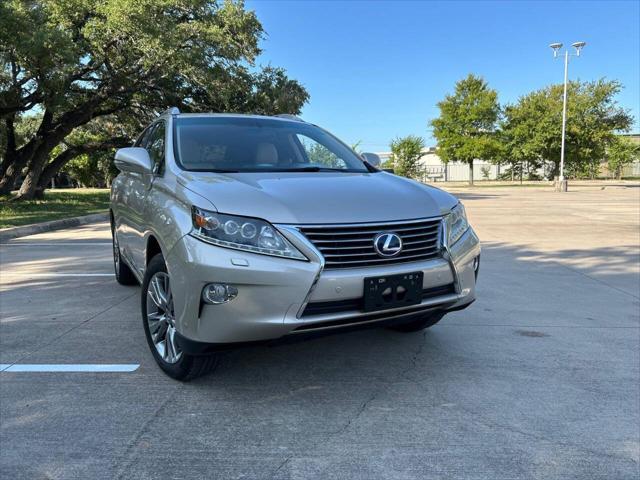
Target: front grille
[
  {"x": 351, "y": 246},
  {"x": 338, "y": 306}
]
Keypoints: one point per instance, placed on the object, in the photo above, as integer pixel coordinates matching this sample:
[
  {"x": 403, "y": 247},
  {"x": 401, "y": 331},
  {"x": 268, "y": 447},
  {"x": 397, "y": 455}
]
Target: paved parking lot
[{"x": 540, "y": 378}]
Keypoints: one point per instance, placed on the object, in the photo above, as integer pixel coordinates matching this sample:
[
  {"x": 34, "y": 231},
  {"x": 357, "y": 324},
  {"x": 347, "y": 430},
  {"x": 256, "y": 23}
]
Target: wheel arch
[{"x": 152, "y": 249}]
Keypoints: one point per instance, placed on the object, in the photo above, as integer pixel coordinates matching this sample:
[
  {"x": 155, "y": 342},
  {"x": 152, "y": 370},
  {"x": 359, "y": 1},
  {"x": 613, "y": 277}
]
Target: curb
[{"x": 24, "y": 230}]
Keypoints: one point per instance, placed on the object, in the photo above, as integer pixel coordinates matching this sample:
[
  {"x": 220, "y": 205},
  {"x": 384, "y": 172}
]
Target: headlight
[
  {"x": 242, "y": 233},
  {"x": 457, "y": 224}
]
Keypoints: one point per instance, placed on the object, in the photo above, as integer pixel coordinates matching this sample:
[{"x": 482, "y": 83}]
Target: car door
[
  {"x": 140, "y": 187},
  {"x": 127, "y": 203}
]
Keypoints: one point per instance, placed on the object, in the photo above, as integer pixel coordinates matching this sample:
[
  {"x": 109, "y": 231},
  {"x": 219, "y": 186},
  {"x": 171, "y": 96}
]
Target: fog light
[{"x": 217, "y": 293}]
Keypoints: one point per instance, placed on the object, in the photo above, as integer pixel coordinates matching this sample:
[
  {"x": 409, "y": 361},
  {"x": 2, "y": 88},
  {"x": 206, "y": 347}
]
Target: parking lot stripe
[
  {"x": 72, "y": 367},
  {"x": 59, "y": 244},
  {"x": 53, "y": 274}
]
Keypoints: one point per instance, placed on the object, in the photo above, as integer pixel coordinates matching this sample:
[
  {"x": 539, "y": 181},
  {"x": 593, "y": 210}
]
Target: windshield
[{"x": 236, "y": 144}]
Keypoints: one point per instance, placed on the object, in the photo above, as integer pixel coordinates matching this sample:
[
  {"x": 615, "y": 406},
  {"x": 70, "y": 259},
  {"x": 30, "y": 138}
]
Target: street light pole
[
  {"x": 561, "y": 186},
  {"x": 563, "y": 183}
]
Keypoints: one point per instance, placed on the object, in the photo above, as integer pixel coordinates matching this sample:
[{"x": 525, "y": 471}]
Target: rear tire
[
  {"x": 124, "y": 275},
  {"x": 419, "y": 323},
  {"x": 158, "y": 321}
]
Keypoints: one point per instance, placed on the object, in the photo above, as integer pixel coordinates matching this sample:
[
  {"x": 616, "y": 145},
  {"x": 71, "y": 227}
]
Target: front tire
[
  {"x": 419, "y": 323},
  {"x": 158, "y": 319}
]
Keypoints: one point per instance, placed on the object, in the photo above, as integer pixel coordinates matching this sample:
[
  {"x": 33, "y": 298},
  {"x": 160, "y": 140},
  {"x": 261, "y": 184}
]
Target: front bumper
[{"x": 273, "y": 292}]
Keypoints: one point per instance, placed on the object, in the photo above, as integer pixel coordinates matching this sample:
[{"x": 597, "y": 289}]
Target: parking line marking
[
  {"x": 71, "y": 367},
  {"x": 53, "y": 274},
  {"x": 60, "y": 244}
]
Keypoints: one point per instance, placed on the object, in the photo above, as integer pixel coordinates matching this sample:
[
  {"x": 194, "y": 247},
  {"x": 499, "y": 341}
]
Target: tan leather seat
[{"x": 266, "y": 154}]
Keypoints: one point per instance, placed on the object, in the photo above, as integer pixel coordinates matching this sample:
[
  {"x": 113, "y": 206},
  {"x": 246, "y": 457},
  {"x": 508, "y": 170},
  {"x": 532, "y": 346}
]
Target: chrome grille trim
[{"x": 351, "y": 246}]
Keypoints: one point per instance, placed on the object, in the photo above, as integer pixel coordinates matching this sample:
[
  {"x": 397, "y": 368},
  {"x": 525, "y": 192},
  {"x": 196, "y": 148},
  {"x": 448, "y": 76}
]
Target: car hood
[{"x": 319, "y": 197}]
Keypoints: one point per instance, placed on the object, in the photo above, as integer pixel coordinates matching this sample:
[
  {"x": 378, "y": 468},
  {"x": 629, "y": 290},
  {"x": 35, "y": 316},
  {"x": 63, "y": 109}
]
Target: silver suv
[{"x": 245, "y": 229}]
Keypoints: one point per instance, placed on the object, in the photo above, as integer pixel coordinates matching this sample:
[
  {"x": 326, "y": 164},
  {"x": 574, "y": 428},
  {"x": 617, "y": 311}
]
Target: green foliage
[
  {"x": 405, "y": 154},
  {"x": 485, "y": 171},
  {"x": 320, "y": 155},
  {"x": 92, "y": 170},
  {"x": 465, "y": 129},
  {"x": 79, "y": 60},
  {"x": 621, "y": 152},
  {"x": 531, "y": 129}
]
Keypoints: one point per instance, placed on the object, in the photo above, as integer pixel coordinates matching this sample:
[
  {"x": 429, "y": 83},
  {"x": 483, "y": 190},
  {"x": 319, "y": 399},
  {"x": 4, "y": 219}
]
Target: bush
[{"x": 92, "y": 170}]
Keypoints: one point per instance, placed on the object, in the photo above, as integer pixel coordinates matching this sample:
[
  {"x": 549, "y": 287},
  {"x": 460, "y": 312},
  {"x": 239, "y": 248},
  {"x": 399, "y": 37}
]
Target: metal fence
[
  {"x": 459, "y": 172},
  {"x": 632, "y": 170}
]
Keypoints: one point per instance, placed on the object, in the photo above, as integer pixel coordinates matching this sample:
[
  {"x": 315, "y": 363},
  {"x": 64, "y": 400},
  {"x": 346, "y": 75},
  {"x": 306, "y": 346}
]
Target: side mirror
[
  {"x": 372, "y": 159},
  {"x": 133, "y": 159}
]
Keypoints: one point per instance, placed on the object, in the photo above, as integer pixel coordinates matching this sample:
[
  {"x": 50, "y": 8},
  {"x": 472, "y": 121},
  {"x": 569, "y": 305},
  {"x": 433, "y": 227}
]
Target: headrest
[
  {"x": 190, "y": 152},
  {"x": 266, "y": 153}
]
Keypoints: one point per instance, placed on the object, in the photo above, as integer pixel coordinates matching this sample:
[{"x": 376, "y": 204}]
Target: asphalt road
[{"x": 540, "y": 378}]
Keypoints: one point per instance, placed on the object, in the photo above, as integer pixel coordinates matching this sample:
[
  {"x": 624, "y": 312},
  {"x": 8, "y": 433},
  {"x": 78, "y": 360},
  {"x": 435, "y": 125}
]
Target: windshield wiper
[{"x": 313, "y": 169}]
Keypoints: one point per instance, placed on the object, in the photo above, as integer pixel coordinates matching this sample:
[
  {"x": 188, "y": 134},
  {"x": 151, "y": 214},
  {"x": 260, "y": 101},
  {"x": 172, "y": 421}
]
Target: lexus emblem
[{"x": 387, "y": 244}]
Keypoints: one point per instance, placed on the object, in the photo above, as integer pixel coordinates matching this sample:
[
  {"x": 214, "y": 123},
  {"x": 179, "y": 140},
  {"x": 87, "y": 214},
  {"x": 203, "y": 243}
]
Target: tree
[
  {"x": 320, "y": 155},
  {"x": 94, "y": 170},
  {"x": 621, "y": 152},
  {"x": 74, "y": 61},
  {"x": 465, "y": 129},
  {"x": 86, "y": 154},
  {"x": 405, "y": 154},
  {"x": 531, "y": 128}
]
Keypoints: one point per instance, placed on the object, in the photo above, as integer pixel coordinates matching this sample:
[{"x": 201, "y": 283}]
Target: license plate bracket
[{"x": 392, "y": 291}]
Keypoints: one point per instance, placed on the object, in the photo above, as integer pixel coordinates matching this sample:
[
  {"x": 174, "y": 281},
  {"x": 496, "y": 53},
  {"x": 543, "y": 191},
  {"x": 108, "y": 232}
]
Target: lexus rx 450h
[{"x": 246, "y": 229}]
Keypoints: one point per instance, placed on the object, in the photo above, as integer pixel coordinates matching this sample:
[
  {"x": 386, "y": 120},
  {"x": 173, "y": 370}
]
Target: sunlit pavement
[{"x": 538, "y": 379}]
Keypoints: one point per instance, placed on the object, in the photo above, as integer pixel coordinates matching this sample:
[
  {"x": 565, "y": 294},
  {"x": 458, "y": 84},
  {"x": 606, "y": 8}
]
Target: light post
[{"x": 561, "y": 186}]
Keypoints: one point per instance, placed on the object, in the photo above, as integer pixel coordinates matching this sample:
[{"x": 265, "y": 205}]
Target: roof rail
[
  {"x": 290, "y": 117},
  {"x": 172, "y": 111}
]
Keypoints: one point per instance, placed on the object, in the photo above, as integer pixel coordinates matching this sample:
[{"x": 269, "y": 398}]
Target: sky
[{"x": 376, "y": 70}]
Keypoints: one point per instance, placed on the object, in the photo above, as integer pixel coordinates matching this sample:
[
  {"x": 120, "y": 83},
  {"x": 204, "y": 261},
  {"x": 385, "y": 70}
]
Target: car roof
[{"x": 284, "y": 117}]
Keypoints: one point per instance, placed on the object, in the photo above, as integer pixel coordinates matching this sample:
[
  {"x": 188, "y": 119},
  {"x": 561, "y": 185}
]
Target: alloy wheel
[{"x": 161, "y": 318}]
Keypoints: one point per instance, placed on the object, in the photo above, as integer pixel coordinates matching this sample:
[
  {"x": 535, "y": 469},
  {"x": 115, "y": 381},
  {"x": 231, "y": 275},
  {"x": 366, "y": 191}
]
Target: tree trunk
[
  {"x": 39, "y": 157},
  {"x": 30, "y": 185},
  {"x": 521, "y": 167},
  {"x": 53, "y": 167},
  {"x": 11, "y": 173},
  {"x": 36, "y": 152},
  {"x": 471, "y": 173},
  {"x": 9, "y": 179}
]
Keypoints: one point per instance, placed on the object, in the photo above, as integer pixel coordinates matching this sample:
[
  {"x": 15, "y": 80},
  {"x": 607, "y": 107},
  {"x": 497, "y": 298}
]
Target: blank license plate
[{"x": 392, "y": 291}]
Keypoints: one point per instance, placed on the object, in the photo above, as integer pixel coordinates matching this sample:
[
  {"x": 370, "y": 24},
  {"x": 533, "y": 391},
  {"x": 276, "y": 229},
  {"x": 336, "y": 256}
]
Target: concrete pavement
[{"x": 540, "y": 378}]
